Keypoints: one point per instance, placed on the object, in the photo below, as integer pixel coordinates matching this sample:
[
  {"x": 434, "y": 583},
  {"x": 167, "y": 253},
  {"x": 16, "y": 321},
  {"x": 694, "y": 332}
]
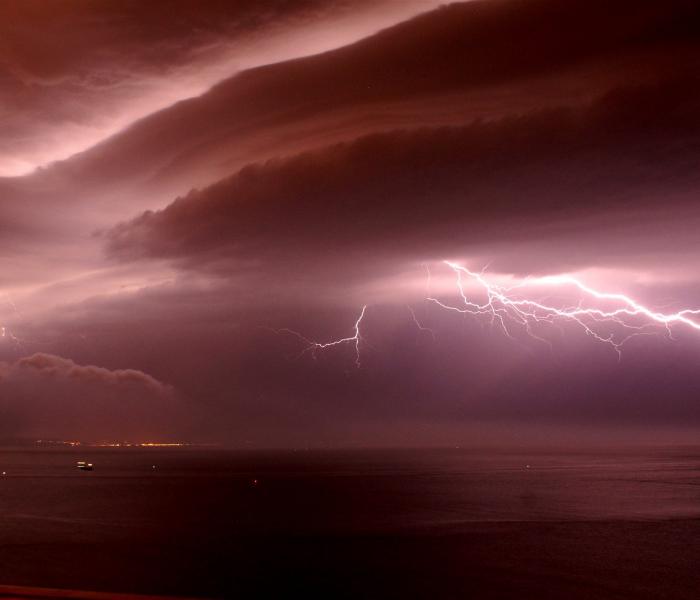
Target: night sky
[{"x": 193, "y": 194}]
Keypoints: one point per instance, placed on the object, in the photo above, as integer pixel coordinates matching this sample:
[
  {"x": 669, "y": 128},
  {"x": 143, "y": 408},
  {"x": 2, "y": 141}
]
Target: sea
[{"x": 430, "y": 523}]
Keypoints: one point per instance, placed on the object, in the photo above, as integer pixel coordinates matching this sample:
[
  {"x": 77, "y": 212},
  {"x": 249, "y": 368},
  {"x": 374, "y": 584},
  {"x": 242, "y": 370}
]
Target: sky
[{"x": 350, "y": 223}]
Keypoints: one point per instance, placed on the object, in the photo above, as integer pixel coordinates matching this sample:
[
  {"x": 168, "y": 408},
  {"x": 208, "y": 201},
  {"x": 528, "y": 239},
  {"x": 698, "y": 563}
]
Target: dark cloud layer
[
  {"x": 48, "y": 396},
  {"x": 424, "y": 193},
  {"x": 461, "y": 62}
]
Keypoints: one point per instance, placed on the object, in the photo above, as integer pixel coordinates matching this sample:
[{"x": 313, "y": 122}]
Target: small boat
[{"x": 84, "y": 466}]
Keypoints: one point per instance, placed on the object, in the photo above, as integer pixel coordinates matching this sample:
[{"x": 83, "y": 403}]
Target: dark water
[{"x": 354, "y": 524}]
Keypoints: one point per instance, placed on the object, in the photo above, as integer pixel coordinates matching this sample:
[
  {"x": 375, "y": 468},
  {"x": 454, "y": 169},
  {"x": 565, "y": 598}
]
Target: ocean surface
[{"x": 455, "y": 523}]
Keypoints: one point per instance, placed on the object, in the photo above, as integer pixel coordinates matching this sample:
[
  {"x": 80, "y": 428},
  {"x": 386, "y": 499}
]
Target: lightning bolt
[
  {"x": 313, "y": 347},
  {"x": 509, "y": 308},
  {"x": 418, "y": 324},
  {"x": 620, "y": 318},
  {"x": 5, "y": 332}
]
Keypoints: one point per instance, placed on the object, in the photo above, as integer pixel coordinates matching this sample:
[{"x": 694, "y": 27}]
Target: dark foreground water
[{"x": 354, "y": 524}]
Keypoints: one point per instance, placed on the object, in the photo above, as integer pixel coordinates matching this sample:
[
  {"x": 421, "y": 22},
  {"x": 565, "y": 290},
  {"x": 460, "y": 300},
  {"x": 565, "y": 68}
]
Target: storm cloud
[{"x": 220, "y": 187}]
